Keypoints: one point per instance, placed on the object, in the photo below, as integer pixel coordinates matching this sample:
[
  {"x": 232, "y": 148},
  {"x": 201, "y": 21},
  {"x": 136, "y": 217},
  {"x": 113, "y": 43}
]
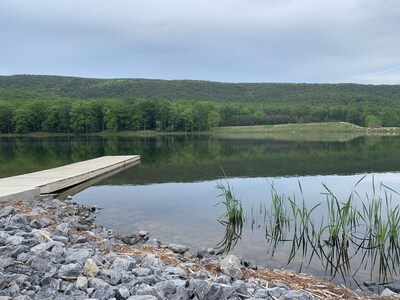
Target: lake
[{"x": 173, "y": 193}]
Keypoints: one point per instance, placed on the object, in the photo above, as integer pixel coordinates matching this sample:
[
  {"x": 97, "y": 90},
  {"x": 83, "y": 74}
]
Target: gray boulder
[
  {"x": 40, "y": 264},
  {"x": 70, "y": 270},
  {"x": 61, "y": 239},
  {"x": 140, "y": 272},
  {"x": 122, "y": 292},
  {"x": 230, "y": 266},
  {"x": 19, "y": 250},
  {"x": 37, "y": 211},
  {"x": 20, "y": 297},
  {"x": 42, "y": 247},
  {"x": 152, "y": 263},
  {"x": 240, "y": 287},
  {"x": 77, "y": 255},
  {"x": 126, "y": 264},
  {"x": 148, "y": 280},
  {"x": 45, "y": 293},
  {"x": 104, "y": 292},
  {"x": 296, "y": 295},
  {"x": 181, "y": 249},
  {"x": 130, "y": 239},
  {"x": 203, "y": 274},
  {"x": 174, "y": 271},
  {"x": 110, "y": 276},
  {"x": 142, "y": 297},
  {"x": 20, "y": 219},
  {"x": 143, "y": 233},
  {"x": 62, "y": 229},
  {"x": 6, "y": 211},
  {"x": 199, "y": 288},
  {"x": 154, "y": 243},
  {"x": 222, "y": 279},
  {"x": 155, "y": 291},
  {"x": 180, "y": 294},
  {"x": 167, "y": 286},
  {"x": 14, "y": 240},
  {"x": 262, "y": 293},
  {"x": 74, "y": 291},
  {"x": 12, "y": 290},
  {"x": 3, "y": 236},
  {"x": 6, "y": 262},
  {"x": 96, "y": 283},
  {"x": 276, "y": 292},
  {"x": 58, "y": 250},
  {"x": 220, "y": 291}
]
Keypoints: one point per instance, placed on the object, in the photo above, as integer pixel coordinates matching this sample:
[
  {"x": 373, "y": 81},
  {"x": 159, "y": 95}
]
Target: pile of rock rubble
[{"x": 53, "y": 250}]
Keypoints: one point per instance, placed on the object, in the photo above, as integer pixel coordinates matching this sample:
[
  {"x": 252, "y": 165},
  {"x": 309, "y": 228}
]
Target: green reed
[
  {"x": 233, "y": 217},
  {"x": 278, "y": 218},
  {"x": 304, "y": 227},
  {"x": 343, "y": 232},
  {"x": 366, "y": 226},
  {"x": 380, "y": 244}
]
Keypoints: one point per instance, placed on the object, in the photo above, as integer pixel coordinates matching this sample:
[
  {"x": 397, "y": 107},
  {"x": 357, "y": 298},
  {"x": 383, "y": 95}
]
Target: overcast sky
[{"x": 219, "y": 40}]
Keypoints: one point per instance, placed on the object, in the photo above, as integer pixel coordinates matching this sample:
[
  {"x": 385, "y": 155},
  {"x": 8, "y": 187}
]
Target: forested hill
[
  {"x": 50, "y": 87},
  {"x": 31, "y": 103}
]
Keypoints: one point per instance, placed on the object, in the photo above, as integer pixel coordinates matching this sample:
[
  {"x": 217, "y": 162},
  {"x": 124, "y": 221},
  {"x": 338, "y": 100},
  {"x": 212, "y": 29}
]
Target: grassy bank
[{"x": 338, "y": 131}]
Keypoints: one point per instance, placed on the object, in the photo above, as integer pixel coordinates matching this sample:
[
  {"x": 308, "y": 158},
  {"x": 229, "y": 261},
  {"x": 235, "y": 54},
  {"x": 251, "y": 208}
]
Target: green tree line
[{"x": 88, "y": 116}]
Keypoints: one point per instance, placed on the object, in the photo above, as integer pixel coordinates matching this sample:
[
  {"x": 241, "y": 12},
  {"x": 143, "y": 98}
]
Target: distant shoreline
[{"x": 307, "y": 131}]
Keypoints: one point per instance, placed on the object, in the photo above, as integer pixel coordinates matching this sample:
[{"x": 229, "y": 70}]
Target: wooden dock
[{"x": 32, "y": 185}]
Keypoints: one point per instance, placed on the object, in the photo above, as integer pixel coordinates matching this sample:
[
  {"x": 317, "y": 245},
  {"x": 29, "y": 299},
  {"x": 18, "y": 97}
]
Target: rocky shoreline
[{"x": 53, "y": 249}]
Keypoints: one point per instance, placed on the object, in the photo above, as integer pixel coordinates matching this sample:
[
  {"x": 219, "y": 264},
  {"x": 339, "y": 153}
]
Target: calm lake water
[{"x": 173, "y": 194}]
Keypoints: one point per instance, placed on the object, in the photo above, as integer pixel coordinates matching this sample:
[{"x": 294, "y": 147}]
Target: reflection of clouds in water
[
  {"x": 188, "y": 208},
  {"x": 172, "y": 212},
  {"x": 390, "y": 179},
  {"x": 184, "y": 213}
]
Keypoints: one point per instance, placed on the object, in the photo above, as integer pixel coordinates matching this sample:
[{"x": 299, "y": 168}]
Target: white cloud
[
  {"x": 225, "y": 40},
  {"x": 391, "y": 75}
]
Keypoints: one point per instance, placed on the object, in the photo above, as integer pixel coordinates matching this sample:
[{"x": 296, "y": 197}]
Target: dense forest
[{"x": 31, "y": 103}]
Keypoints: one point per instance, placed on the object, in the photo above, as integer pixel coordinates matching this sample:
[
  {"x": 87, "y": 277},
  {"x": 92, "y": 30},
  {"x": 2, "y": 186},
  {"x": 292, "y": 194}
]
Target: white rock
[
  {"x": 387, "y": 293},
  {"x": 90, "y": 269},
  {"x": 82, "y": 282}
]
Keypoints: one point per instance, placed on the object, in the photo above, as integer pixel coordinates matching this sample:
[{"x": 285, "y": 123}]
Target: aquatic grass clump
[
  {"x": 380, "y": 243},
  {"x": 304, "y": 227},
  {"x": 288, "y": 221},
  {"x": 333, "y": 238},
  {"x": 233, "y": 218},
  {"x": 365, "y": 227},
  {"x": 340, "y": 217},
  {"x": 278, "y": 216}
]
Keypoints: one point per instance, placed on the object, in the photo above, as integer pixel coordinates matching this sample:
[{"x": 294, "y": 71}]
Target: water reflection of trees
[{"x": 188, "y": 158}]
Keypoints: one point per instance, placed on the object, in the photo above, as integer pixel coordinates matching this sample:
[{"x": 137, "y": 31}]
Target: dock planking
[{"x": 32, "y": 185}]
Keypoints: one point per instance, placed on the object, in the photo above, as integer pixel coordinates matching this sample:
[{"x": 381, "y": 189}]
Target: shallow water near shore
[
  {"x": 186, "y": 214},
  {"x": 172, "y": 192}
]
